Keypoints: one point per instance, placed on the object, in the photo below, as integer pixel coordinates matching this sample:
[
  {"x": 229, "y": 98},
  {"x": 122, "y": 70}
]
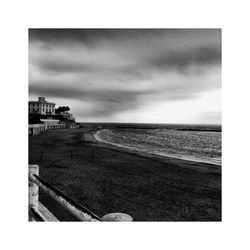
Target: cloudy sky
[{"x": 129, "y": 75}]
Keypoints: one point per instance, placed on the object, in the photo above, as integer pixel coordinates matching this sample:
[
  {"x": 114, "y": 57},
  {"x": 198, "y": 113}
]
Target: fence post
[
  {"x": 33, "y": 189},
  {"x": 41, "y": 156},
  {"x": 118, "y": 217}
]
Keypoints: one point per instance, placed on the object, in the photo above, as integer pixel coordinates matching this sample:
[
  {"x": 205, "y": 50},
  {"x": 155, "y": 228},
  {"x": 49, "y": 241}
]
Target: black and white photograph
[{"x": 124, "y": 125}]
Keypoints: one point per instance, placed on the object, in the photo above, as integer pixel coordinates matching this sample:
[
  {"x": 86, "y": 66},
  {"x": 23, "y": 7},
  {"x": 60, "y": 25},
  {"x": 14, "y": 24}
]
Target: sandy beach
[{"x": 105, "y": 178}]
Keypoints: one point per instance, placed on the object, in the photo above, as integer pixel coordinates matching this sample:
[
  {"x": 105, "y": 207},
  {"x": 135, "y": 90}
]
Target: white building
[{"x": 41, "y": 107}]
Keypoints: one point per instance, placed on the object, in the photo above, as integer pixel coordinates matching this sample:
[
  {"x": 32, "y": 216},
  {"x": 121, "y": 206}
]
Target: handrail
[
  {"x": 72, "y": 206},
  {"x": 80, "y": 212},
  {"x": 34, "y": 213}
]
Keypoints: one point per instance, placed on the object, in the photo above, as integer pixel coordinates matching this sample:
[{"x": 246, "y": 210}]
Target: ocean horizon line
[{"x": 155, "y": 123}]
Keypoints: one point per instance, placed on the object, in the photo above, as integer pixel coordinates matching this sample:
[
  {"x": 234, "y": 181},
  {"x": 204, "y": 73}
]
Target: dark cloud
[
  {"x": 103, "y": 102},
  {"x": 55, "y": 67},
  {"x": 181, "y": 60},
  {"x": 88, "y": 37},
  {"x": 116, "y": 70},
  {"x": 91, "y": 36}
]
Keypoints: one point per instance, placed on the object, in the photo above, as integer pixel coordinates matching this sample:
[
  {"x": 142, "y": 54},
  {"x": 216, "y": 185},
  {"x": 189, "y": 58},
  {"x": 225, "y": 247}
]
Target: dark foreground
[{"x": 107, "y": 179}]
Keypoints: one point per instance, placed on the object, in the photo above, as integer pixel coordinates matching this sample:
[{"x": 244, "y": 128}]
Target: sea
[{"x": 200, "y": 143}]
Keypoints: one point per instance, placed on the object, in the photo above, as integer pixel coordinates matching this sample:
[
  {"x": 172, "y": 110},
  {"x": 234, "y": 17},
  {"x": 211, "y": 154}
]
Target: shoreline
[{"x": 135, "y": 150}]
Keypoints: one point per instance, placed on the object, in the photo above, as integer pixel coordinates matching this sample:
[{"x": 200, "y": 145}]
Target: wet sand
[{"x": 106, "y": 179}]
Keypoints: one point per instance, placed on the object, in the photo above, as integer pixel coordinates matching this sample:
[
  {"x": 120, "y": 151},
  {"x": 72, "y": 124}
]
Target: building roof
[{"x": 45, "y": 102}]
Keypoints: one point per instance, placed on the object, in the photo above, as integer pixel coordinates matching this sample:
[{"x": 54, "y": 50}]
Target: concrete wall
[
  {"x": 72, "y": 125},
  {"x": 36, "y": 129}
]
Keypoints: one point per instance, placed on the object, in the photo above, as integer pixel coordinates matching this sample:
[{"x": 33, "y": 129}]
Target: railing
[
  {"x": 36, "y": 129},
  {"x": 38, "y": 212}
]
